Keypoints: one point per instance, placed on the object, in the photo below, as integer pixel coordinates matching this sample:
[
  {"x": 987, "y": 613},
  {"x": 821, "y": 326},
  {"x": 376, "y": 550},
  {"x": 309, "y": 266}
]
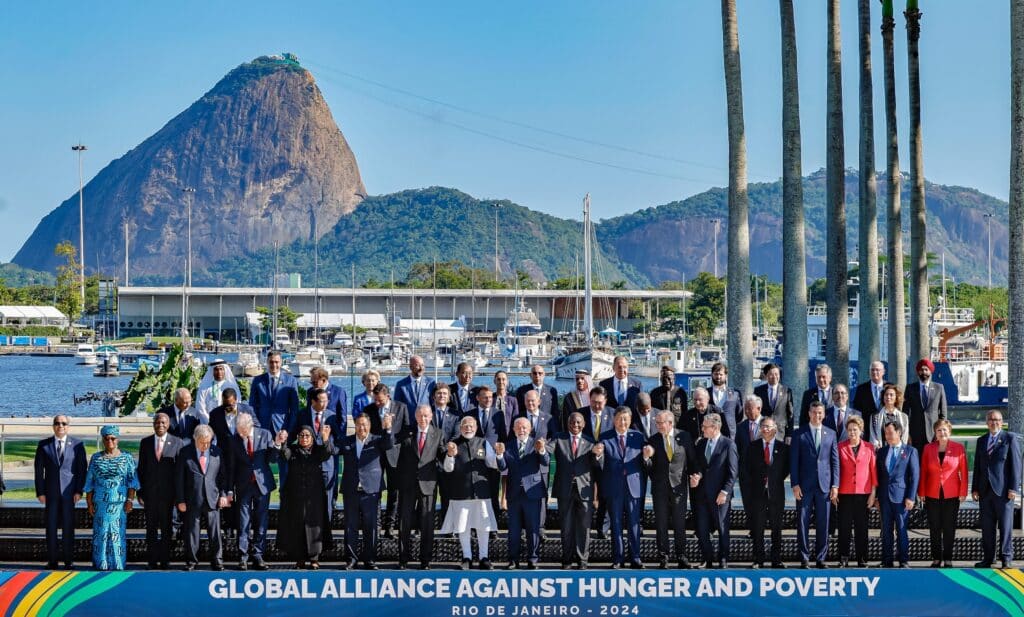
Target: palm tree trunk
[
  {"x": 794, "y": 268},
  {"x": 1015, "y": 402},
  {"x": 920, "y": 343},
  {"x": 837, "y": 322},
  {"x": 737, "y": 316},
  {"x": 897, "y": 320},
  {"x": 867, "y": 250}
]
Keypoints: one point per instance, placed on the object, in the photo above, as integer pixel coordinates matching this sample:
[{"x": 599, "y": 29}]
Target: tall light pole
[
  {"x": 189, "y": 192},
  {"x": 989, "y": 220},
  {"x": 80, "y": 148},
  {"x": 716, "y": 223}
]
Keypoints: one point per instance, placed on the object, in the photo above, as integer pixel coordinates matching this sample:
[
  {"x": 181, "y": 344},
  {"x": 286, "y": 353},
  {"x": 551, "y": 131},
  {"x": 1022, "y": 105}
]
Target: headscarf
[
  {"x": 110, "y": 429},
  {"x": 298, "y": 448}
]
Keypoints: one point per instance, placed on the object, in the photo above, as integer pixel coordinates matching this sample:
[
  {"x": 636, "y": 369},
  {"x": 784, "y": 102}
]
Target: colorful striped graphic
[
  {"x": 1004, "y": 587},
  {"x": 52, "y": 594}
]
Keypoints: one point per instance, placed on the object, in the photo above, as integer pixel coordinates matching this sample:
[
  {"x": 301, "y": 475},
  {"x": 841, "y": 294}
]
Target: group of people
[{"x": 479, "y": 450}]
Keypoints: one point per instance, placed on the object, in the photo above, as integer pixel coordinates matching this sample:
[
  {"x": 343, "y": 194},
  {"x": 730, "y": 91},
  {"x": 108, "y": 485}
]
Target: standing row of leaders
[{"x": 481, "y": 450}]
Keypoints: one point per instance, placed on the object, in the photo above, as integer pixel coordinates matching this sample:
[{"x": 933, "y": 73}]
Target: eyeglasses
[
  {"x": 110, "y": 438},
  {"x": 56, "y": 423}
]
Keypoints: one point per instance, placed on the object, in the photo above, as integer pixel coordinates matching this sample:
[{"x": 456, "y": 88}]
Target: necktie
[
  {"x": 840, "y": 416},
  {"x": 60, "y": 452},
  {"x": 924, "y": 396},
  {"x": 647, "y": 426},
  {"x": 668, "y": 447},
  {"x": 622, "y": 445},
  {"x": 622, "y": 392},
  {"x": 423, "y": 439},
  {"x": 772, "y": 395},
  {"x": 533, "y": 423},
  {"x": 248, "y": 446},
  {"x": 575, "y": 445},
  {"x": 202, "y": 461},
  {"x": 522, "y": 449},
  {"x": 159, "y": 448},
  {"x": 991, "y": 443},
  {"x": 316, "y": 423},
  {"x": 821, "y": 396},
  {"x": 817, "y": 439},
  {"x": 874, "y": 390},
  {"x": 753, "y": 430},
  {"x": 597, "y": 426},
  {"x": 767, "y": 460},
  {"x": 893, "y": 455},
  {"x": 273, "y": 384},
  {"x": 709, "y": 449}
]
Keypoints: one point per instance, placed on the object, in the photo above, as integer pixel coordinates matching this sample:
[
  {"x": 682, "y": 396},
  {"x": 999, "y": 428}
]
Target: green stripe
[
  {"x": 982, "y": 584},
  {"x": 90, "y": 591},
  {"x": 75, "y": 582}
]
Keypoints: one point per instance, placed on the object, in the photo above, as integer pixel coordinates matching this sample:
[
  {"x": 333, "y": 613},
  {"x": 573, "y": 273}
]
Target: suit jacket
[
  {"x": 731, "y": 407},
  {"x": 185, "y": 428},
  {"x": 622, "y": 472},
  {"x": 573, "y": 472},
  {"x": 830, "y": 421},
  {"x": 528, "y": 474},
  {"x": 501, "y": 427},
  {"x": 997, "y": 472},
  {"x": 223, "y": 432},
  {"x": 759, "y": 474},
  {"x": 511, "y": 404},
  {"x": 198, "y": 489},
  {"x": 548, "y": 398},
  {"x": 671, "y": 477},
  {"x": 902, "y": 482},
  {"x": 407, "y": 393},
  {"x": 456, "y": 402},
  {"x": 448, "y": 421},
  {"x": 366, "y": 470},
  {"x": 337, "y": 400},
  {"x": 274, "y": 407},
  {"x": 399, "y": 413},
  {"x": 54, "y": 478},
  {"x": 671, "y": 398},
  {"x": 572, "y": 403},
  {"x": 545, "y": 427},
  {"x": 923, "y": 418},
  {"x": 157, "y": 478},
  {"x": 743, "y": 442},
  {"x": 634, "y": 387},
  {"x": 811, "y": 395},
  {"x": 652, "y": 427},
  {"x": 857, "y": 474},
  {"x": 950, "y": 473},
  {"x": 782, "y": 412},
  {"x": 484, "y": 427},
  {"x": 253, "y": 473},
  {"x": 692, "y": 421},
  {"x": 864, "y": 400},
  {"x": 607, "y": 416},
  {"x": 419, "y": 470},
  {"x": 810, "y": 468},
  {"x": 719, "y": 472}
]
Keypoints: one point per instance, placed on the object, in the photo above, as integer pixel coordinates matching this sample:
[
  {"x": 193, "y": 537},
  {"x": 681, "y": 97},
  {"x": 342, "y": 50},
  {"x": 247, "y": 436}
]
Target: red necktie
[
  {"x": 316, "y": 423},
  {"x": 249, "y": 446},
  {"x": 202, "y": 461},
  {"x": 423, "y": 439},
  {"x": 159, "y": 449},
  {"x": 622, "y": 445},
  {"x": 767, "y": 460},
  {"x": 575, "y": 445}
]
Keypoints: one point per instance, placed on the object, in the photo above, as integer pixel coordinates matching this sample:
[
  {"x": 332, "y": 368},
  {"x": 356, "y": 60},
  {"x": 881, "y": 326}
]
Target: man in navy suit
[
  {"x": 483, "y": 413},
  {"x": 384, "y": 406},
  {"x": 821, "y": 392},
  {"x": 548, "y": 394},
  {"x": 747, "y": 433},
  {"x": 60, "y": 466},
  {"x": 318, "y": 415},
  {"x": 158, "y": 457},
  {"x": 527, "y": 461},
  {"x": 274, "y": 397},
  {"x": 597, "y": 421},
  {"x": 182, "y": 416},
  {"x": 729, "y": 401},
  {"x": 717, "y": 470},
  {"x": 202, "y": 488},
  {"x": 997, "y": 476},
  {"x": 619, "y": 455},
  {"x": 542, "y": 424},
  {"x": 252, "y": 450},
  {"x": 814, "y": 476},
  {"x": 362, "y": 481},
  {"x": 839, "y": 411},
  {"x": 645, "y": 416},
  {"x": 414, "y": 389},
  {"x": 337, "y": 397},
  {"x": 463, "y": 394},
  {"x": 777, "y": 400},
  {"x": 898, "y": 472},
  {"x": 621, "y": 388}
]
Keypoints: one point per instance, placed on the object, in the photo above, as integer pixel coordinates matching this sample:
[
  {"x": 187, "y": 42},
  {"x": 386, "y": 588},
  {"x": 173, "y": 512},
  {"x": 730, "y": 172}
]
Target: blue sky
[{"x": 645, "y": 78}]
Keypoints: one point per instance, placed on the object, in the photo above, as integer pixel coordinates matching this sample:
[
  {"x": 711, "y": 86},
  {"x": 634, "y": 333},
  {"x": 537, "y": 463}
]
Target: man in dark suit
[
  {"x": 317, "y": 415},
  {"x": 548, "y": 394},
  {"x": 384, "y": 406},
  {"x": 598, "y": 420},
  {"x": 574, "y": 490},
  {"x": 421, "y": 447},
  {"x": 668, "y": 396},
  {"x": 764, "y": 491},
  {"x": 158, "y": 457},
  {"x": 620, "y": 457},
  {"x": 483, "y": 413},
  {"x": 717, "y": 470},
  {"x": 821, "y": 392},
  {"x": 670, "y": 465},
  {"x": 337, "y": 397},
  {"x": 924, "y": 402},
  {"x": 693, "y": 418},
  {"x": 60, "y": 466},
  {"x": 898, "y": 471},
  {"x": 447, "y": 420},
  {"x": 202, "y": 487},
  {"x": 252, "y": 450},
  {"x": 867, "y": 397},
  {"x": 274, "y": 397},
  {"x": 729, "y": 401},
  {"x": 542, "y": 425},
  {"x": 181, "y": 415},
  {"x": 526, "y": 460},
  {"x": 463, "y": 394},
  {"x": 776, "y": 401},
  {"x": 364, "y": 455},
  {"x": 840, "y": 411},
  {"x": 997, "y": 476},
  {"x": 748, "y": 431},
  {"x": 644, "y": 418},
  {"x": 814, "y": 476},
  {"x": 223, "y": 420},
  {"x": 621, "y": 388},
  {"x": 414, "y": 389}
]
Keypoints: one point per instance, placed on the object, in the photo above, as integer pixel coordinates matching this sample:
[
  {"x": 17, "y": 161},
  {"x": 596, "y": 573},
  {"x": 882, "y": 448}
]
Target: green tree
[
  {"x": 69, "y": 300},
  {"x": 705, "y": 310},
  {"x": 286, "y": 318}
]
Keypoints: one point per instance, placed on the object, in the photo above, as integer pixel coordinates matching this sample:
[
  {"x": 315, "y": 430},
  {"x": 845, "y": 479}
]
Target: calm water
[{"x": 41, "y": 386}]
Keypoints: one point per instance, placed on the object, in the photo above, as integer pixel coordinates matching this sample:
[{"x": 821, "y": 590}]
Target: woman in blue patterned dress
[{"x": 110, "y": 485}]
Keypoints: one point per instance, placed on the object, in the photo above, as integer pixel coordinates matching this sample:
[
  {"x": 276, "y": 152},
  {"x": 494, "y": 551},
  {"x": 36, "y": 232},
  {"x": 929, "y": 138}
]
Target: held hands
[
  {"x": 386, "y": 421},
  {"x": 325, "y": 433},
  {"x": 833, "y": 496},
  {"x": 77, "y": 497},
  {"x": 223, "y": 502},
  {"x": 42, "y": 499},
  {"x": 282, "y": 437},
  {"x": 648, "y": 451},
  {"x": 499, "y": 449},
  {"x": 599, "y": 450},
  {"x": 452, "y": 449},
  {"x": 540, "y": 446}
]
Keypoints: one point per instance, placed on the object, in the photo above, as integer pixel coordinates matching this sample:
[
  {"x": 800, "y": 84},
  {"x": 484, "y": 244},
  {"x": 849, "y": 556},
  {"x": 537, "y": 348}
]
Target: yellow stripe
[
  {"x": 1014, "y": 577},
  {"x": 39, "y": 593}
]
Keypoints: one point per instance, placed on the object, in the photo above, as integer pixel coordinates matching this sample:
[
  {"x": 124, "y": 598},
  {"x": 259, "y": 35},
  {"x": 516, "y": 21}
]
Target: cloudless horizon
[{"x": 538, "y": 103}]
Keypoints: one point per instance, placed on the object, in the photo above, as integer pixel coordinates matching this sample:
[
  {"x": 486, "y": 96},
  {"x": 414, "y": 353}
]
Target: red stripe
[{"x": 14, "y": 586}]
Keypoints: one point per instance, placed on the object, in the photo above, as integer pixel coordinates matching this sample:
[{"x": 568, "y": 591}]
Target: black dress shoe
[
  {"x": 513, "y": 565},
  {"x": 51, "y": 565},
  {"x": 904, "y": 564},
  {"x": 567, "y": 565},
  {"x": 684, "y": 564},
  {"x": 598, "y": 534},
  {"x": 935, "y": 564},
  {"x": 531, "y": 565},
  {"x": 663, "y": 563},
  {"x": 862, "y": 564},
  {"x": 582, "y": 565},
  {"x": 217, "y": 567},
  {"x": 243, "y": 565},
  {"x": 485, "y": 564},
  {"x": 885, "y": 564},
  {"x": 821, "y": 565},
  {"x": 983, "y": 564},
  {"x": 165, "y": 565},
  {"x": 616, "y": 566},
  {"x": 369, "y": 565},
  {"x": 709, "y": 565},
  {"x": 1007, "y": 563},
  {"x": 947, "y": 564},
  {"x": 385, "y": 532},
  {"x": 189, "y": 567},
  {"x": 424, "y": 566},
  {"x": 778, "y": 565},
  {"x": 152, "y": 566},
  {"x": 755, "y": 566},
  {"x": 637, "y": 565},
  {"x": 843, "y": 562},
  {"x": 466, "y": 563},
  {"x": 804, "y": 565},
  {"x": 351, "y": 564},
  {"x": 261, "y": 565},
  {"x": 69, "y": 566},
  {"x": 723, "y": 565},
  {"x": 402, "y": 565}
]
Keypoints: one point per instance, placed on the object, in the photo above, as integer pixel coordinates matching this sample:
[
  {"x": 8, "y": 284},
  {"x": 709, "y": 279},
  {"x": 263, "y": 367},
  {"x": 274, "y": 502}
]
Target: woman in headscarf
[
  {"x": 110, "y": 485},
  {"x": 303, "y": 525}
]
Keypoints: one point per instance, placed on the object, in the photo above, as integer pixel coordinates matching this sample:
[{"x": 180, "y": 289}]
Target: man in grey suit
[
  {"x": 574, "y": 490},
  {"x": 776, "y": 401},
  {"x": 252, "y": 450},
  {"x": 924, "y": 402},
  {"x": 670, "y": 466},
  {"x": 201, "y": 490},
  {"x": 60, "y": 466}
]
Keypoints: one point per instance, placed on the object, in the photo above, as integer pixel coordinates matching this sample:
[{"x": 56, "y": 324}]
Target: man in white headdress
[{"x": 217, "y": 379}]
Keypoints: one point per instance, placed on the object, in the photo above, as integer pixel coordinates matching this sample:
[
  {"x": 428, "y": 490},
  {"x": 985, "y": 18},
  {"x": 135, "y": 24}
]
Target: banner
[{"x": 541, "y": 593}]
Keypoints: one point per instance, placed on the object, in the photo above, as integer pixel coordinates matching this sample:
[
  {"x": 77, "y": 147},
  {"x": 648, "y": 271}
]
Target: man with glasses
[
  {"x": 60, "y": 466},
  {"x": 548, "y": 394},
  {"x": 764, "y": 494},
  {"x": 997, "y": 475}
]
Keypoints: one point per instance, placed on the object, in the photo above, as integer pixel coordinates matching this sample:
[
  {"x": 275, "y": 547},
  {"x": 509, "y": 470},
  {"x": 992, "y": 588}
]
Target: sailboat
[{"x": 598, "y": 361}]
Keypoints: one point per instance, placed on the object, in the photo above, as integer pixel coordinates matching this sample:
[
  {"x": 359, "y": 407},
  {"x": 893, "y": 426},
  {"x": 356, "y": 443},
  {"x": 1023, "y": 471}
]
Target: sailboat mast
[{"x": 588, "y": 304}]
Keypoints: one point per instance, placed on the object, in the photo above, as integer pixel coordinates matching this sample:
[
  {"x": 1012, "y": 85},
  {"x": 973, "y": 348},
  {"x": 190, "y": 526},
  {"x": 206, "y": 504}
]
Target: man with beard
[
  {"x": 729, "y": 401},
  {"x": 578, "y": 399},
  {"x": 470, "y": 462},
  {"x": 924, "y": 403}
]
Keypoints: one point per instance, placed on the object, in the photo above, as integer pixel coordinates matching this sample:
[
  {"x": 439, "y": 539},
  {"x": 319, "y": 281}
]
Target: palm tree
[
  {"x": 920, "y": 344},
  {"x": 1015, "y": 402},
  {"x": 737, "y": 316},
  {"x": 837, "y": 322},
  {"x": 794, "y": 268},
  {"x": 867, "y": 249},
  {"x": 894, "y": 216}
]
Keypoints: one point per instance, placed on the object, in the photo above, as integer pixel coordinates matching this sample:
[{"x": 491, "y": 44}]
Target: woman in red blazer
[
  {"x": 943, "y": 486},
  {"x": 857, "y": 482}
]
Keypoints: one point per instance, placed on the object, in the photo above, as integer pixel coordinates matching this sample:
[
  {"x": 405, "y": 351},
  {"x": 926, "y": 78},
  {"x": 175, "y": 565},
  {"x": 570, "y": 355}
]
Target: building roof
[{"x": 31, "y": 312}]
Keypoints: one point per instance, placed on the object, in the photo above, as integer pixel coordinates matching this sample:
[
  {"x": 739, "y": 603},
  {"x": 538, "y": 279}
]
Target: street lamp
[
  {"x": 80, "y": 148},
  {"x": 189, "y": 192},
  {"x": 716, "y": 223},
  {"x": 989, "y": 220}
]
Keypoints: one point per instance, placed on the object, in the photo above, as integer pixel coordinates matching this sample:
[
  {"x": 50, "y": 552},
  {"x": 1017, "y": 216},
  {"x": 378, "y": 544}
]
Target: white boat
[
  {"x": 247, "y": 365},
  {"x": 86, "y": 354},
  {"x": 306, "y": 359},
  {"x": 597, "y": 361},
  {"x": 522, "y": 336}
]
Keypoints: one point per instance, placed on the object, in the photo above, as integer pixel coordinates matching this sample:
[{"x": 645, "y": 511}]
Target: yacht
[{"x": 86, "y": 353}]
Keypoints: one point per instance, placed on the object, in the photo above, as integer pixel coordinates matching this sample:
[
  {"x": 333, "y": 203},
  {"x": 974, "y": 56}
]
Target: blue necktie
[{"x": 892, "y": 459}]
